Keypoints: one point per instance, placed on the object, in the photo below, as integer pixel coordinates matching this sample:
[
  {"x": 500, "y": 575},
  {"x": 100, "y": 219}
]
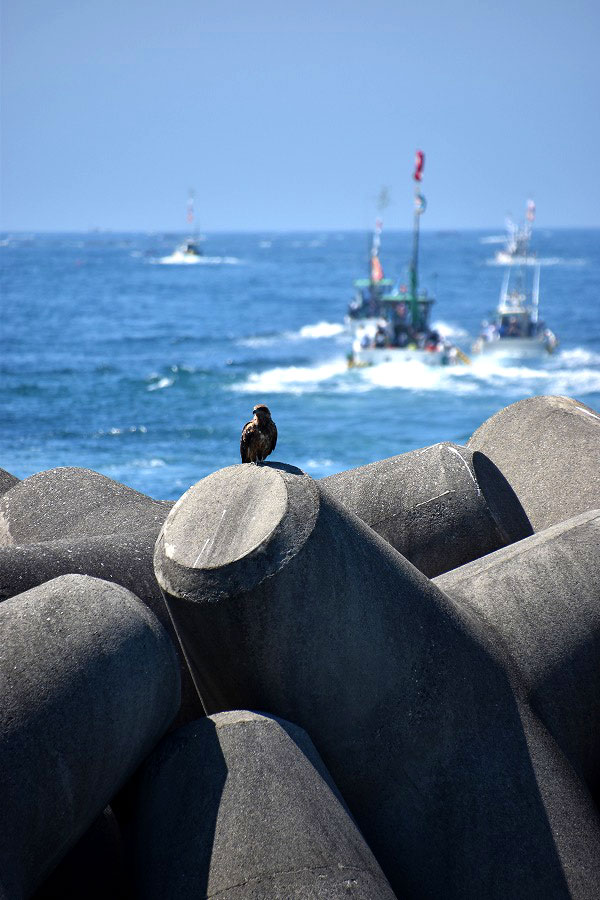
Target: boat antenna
[{"x": 420, "y": 205}]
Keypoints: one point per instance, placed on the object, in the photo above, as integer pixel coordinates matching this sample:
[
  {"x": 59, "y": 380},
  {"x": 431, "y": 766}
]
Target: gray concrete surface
[
  {"x": 7, "y": 481},
  {"x": 89, "y": 682},
  {"x": 240, "y": 806},
  {"x": 70, "y": 501},
  {"x": 542, "y": 599},
  {"x": 76, "y": 521},
  {"x": 434, "y": 506},
  {"x": 287, "y": 602},
  {"x": 548, "y": 448}
]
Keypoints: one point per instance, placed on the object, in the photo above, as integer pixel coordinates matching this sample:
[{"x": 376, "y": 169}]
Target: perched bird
[{"x": 259, "y": 436}]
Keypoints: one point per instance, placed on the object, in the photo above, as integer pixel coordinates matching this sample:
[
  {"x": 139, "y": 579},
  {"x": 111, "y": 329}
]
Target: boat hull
[
  {"x": 181, "y": 259},
  {"x": 372, "y": 356},
  {"x": 521, "y": 348}
]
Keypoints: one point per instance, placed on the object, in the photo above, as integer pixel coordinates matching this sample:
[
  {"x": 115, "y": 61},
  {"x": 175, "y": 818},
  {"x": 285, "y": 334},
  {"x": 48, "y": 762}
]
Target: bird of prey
[{"x": 259, "y": 436}]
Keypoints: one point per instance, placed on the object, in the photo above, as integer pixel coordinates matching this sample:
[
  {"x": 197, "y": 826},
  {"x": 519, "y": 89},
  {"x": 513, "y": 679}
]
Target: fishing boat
[
  {"x": 189, "y": 251},
  {"x": 516, "y": 329},
  {"x": 516, "y": 249},
  {"x": 397, "y": 325}
]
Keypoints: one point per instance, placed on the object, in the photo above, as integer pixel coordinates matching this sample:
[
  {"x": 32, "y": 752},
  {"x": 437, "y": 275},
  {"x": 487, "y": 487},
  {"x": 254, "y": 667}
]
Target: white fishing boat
[
  {"x": 516, "y": 249},
  {"x": 397, "y": 327},
  {"x": 516, "y": 329},
  {"x": 189, "y": 251}
]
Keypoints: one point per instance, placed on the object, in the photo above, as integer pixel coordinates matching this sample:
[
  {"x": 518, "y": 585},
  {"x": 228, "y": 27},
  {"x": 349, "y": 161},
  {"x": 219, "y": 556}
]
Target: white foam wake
[
  {"x": 318, "y": 331},
  {"x": 321, "y": 330},
  {"x": 577, "y": 357},
  {"x": 413, "y": 375},
  {"x": 292, "y": 379},
  {"x": 573, "y": 372},
  {"x": 177, "y": 260},
  {"x": 447, "y": 330},
  {"x": 161, "y": 384},
  {"x": 539, "y": 260}
]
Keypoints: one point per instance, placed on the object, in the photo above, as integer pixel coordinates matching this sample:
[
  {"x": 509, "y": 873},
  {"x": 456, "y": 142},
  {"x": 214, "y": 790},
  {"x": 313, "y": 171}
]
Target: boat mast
[
  {"x": 190, "y": 209},
  {"x": 375, "y": 273},
  {"x": 504, "y": 288},
  {"x": 375, "y": 270},
  {"x": 414, "y": 264},
  {"x": 536, "y": 293}
]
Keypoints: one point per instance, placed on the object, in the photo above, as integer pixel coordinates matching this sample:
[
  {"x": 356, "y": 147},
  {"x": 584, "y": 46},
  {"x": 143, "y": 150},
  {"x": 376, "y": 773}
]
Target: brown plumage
[{"x": 259, "y": 436}]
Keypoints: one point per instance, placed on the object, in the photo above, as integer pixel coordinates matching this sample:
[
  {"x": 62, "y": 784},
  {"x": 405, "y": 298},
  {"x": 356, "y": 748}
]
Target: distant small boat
[
  {"x": 516, "y": 329},
  {"x": 516, "y": 249},
  {"x": 189, "y": 251},
  {"x": 394, "y": 325}
]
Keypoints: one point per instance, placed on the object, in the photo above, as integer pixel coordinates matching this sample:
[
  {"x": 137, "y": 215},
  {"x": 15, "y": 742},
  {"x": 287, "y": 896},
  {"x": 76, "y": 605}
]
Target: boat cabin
[
  {"x": 368, "y": 295},
  {"x": 406, "y": 321}
]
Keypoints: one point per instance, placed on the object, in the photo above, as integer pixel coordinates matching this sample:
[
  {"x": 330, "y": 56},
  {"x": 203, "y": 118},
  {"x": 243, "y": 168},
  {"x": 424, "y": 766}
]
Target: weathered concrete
[
  {"x": 288, "y": 602},
  {"x": 69, "y": 501},
  {"x": 7, "y": 481},
  {"x": 548, "y": 448},
  {"x": 76, "y": 521},
  {"x": 93, "y": 869},
  {"x": 434, "y": 506},
  {"x": 88, "y": 684},
  {"x": 240, "y": 805},
  {"x": 542, "y": 598}
]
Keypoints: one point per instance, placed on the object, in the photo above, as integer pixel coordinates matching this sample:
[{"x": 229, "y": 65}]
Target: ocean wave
[
  {"x": 154, "y": 463},
  {"x": 317, "y": 331},
  {"x": 131, "y": 429},
  {"x": 320, "y": 467},
  {"x": 552, "y": 378},
  {"x": 161, "y": 384},
  {"x": 484, "y": 375},
  {"x": 576, "y": 357},
  {"x": 321, "y": 330},
  {"x": 292, "y": 379},
  {"x": 413, "y": 375}
]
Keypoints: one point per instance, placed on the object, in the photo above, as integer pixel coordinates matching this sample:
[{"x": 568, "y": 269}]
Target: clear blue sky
[{"x": 292, "y": 115}]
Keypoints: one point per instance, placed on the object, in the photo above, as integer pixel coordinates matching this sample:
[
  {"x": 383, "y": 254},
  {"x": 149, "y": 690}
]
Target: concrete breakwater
[{"x": 399, "y": 666}]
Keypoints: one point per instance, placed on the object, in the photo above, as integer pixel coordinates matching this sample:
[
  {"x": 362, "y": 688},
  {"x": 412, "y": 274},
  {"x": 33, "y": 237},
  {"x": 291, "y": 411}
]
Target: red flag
[
  {"x": 419, "y": 163},
  {"x": 376, "y": 269}
]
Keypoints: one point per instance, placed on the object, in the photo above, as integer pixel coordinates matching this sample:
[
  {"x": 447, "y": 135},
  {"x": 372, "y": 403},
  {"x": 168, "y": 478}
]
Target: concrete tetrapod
[
  {"x": 288, "y": 602},
  {"x": 434, "y": 506},
  {"x": 240, "y": 805},
  {"x": 72, "y": 520},
  {"x": 7, "y": 481},
  {"x": 542, "y": 599},
  {"x": 69, "y": 520},
  {"x": 70, "y": 501},
  {"x": 89, "y": 682},
  {"x": 548, "y": 448},
  {"x": 93, "y": 869}
]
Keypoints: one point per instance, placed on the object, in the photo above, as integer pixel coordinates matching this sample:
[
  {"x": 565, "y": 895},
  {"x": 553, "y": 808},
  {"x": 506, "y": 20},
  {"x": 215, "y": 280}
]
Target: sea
[{"x": 115, "y": 360}]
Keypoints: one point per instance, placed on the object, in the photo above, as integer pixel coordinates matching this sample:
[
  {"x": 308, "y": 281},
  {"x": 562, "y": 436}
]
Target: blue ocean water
[{"x": 146, "y": 372}]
